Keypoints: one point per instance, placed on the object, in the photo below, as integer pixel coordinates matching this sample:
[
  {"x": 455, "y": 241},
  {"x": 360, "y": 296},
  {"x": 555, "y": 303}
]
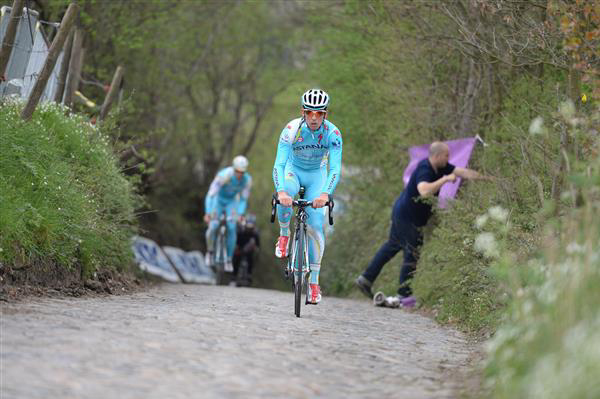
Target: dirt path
[{"x": 190, "y": 341}]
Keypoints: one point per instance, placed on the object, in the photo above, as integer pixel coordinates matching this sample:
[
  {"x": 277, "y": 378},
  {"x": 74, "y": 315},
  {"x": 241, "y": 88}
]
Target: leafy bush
[
  {"x": 549, "y": 343},
  {"x": 63, "y": 197}
]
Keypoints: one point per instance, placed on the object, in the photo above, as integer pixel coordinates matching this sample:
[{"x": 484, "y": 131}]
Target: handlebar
[{"x": 301, "y": 203}]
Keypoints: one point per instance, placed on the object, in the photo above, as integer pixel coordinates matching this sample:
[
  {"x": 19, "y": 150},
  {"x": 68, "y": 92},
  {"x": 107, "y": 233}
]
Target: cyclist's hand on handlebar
[
  {"x": 320, "y": 201},
  {"x": 207, "y": 218},
  {"x": 284, "y": 198}
]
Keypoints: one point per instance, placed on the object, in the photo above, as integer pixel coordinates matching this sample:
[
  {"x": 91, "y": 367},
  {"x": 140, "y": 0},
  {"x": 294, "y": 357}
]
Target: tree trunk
[
  {"x": 75, "y": 64},
  {"x": 64, "y": 69},
  {"x": 55, "y": 49}
]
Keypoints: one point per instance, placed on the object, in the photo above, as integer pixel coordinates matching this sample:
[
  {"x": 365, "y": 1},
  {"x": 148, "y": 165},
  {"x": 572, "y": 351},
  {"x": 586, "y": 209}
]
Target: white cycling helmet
[
  {"x": 315, "y": 100},
  {"x": 240, "y": 163}
]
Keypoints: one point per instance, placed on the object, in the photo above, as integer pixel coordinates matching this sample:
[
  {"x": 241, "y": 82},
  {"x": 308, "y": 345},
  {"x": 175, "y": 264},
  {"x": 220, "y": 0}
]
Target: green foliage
[
  {"x": 64, "y": 199},
  {"x": 453, "y": 279},
  {"x": 550, "y": 333}
]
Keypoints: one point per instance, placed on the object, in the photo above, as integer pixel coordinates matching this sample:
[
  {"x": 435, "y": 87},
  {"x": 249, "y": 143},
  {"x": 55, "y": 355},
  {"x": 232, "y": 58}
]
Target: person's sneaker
[
  {"x": 281, "y": 248},
  {"x": 228, "y": 266},
  {"x": 386, "y": 301},
  {"x": 407, "y": 301},
  {"x": 379, "y": 299},
  {"x": 364, "y": 285},
  {"x": 314, "y": 293}
]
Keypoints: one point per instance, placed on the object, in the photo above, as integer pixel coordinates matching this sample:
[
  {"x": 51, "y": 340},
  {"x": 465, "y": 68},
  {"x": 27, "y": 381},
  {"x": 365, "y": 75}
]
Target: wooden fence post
[
  {"x": 9, "y": 36},
  {"x": 74, "y": 67},
  {"x": 55, "y": 49},
  {"x": 64, "y": 68},
  {"x": 112, "y": 92}
]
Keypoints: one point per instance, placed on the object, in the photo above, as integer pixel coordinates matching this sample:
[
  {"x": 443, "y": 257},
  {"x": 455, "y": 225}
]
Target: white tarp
[
  {"x": 35, "y": 65},
  {"x": 152, "y": 259},
  {"x": 19, "y": 58},
  {"x": 27, "y": 58},
  {"x": 190, "y": 265}
]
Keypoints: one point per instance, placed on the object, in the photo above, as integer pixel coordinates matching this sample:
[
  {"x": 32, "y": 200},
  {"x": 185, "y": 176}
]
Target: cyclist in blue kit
[
  {"x": 228, "y": 192},
  {"x": 306, "y": 146}
]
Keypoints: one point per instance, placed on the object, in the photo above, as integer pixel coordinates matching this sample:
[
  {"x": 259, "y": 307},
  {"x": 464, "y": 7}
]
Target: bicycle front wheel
[
  {"x": 220, "y": 257},
  {"x": 297, "y": 296},
  {"x": 299, "y": 266}
]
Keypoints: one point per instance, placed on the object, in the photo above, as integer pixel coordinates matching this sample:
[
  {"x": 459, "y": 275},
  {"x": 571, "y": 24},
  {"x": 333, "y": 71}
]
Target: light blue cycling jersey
[
  {"x": 224, "y": 189},
  {"x": 301, "y": 160},
  {"x": 222, "y": 197},
  {"x": 309, "y": 150}
]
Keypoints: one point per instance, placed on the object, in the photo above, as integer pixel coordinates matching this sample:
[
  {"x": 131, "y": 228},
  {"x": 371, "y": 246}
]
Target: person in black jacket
[
  {"x": 409, "y": 214},
  {"x": 248, "y": 244}
]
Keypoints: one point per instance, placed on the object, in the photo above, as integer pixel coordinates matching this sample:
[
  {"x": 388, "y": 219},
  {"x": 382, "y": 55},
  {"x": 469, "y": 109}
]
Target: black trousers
[{"x": 403, "y": 236}]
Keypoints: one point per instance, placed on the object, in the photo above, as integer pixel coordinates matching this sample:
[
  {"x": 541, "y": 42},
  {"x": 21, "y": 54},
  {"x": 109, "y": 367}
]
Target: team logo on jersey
[
  {"x": 337, "y": 132},
  {"x": 298, "y": 138},
  {"x": 309, "y": 147},
  {"x": 320, "y": 137},
  {"x": 285, "y": 137},
  {"x": 336, "y": 143},
  {"x": 289, "y": 126}
]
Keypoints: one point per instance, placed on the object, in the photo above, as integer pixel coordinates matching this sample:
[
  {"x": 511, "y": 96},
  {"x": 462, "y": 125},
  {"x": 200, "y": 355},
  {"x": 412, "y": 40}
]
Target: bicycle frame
[
  {"x": 298, "y": 264},
  {"x": 220, "y": 248}
]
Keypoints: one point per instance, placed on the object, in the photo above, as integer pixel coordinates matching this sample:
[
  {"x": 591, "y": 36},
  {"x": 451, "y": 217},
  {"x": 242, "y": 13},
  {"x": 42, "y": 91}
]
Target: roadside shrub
[
  {"x": 63, "y": 197},
  {"x": 549, "y": 343}
]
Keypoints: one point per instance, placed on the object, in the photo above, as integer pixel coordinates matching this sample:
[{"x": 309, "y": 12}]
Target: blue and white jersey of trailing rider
[
  {"x": 309, "y": 150},
  {"x": 226, "y": 188}
]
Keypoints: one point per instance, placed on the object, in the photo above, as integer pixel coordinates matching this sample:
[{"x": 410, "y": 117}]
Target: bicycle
[
  {"x": 220, "y": 250},
  {"x": 298, "y": 264}
]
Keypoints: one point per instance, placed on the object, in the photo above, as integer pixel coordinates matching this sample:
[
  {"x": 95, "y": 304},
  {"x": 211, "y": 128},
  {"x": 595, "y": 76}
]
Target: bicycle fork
[{"x": 299, "y": 265}]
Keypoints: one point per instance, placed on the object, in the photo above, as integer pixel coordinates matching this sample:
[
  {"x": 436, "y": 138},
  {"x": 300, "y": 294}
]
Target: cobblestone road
[{"x": 191, "y": 341}]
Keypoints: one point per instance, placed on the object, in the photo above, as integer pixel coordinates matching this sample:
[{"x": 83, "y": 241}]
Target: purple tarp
[{"x": 460, "y": 153}]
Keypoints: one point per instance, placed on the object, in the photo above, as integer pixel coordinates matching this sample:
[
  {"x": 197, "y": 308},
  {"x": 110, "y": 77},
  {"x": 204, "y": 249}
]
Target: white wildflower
[
  {"x": 537, "y": 126},
  {"x": 498, "y": 213},
  {"x": 567, "y": 109},
  {"x": 481, "y": 221},
  {"x": 487, "y": 245},
  {"x": 574, "y": 248}
]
